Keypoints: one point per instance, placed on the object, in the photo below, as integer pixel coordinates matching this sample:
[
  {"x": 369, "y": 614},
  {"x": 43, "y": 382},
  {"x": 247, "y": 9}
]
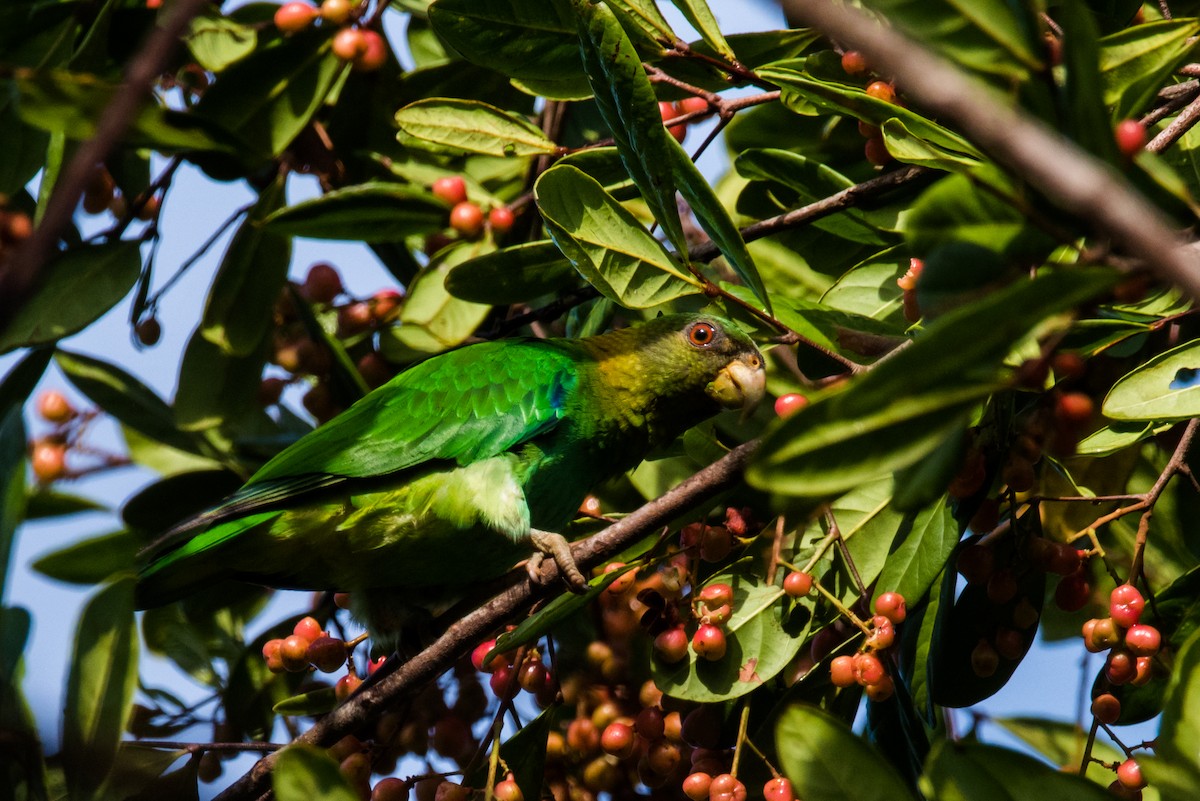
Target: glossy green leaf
[
  {"x": 956, "y": 210},
  {"x": 215, "y": 388},
  {"x": 1114, "y": 437},
  {"x": 315, "y": 702},
  {"x": 533, "y": 41},
  {"x": 926, "y": 540},
  {"x": 515, "y": 274},
  {"x": 1165, "y": 387},
  {"x": 432, "y": 319},
  {"x": 75, "y": 289},
  {"x": 1084, "y": 119},
  {"x": 909, "y": 403},
  {"x": 1136, "y": 61},
  {"x": 825, "y": 761},
  {"x": 972, "y": 771},
  {"x": 217, "y": 41},
  {"x": 869, "y": 288},
  {"x": 473, "y": 127},
  {"x": 909, "y": 148},
  {"x": 375, "y": 211},
  {"x": 606, "y": 243},
  {"x": 100, "y": 687},
  {"x": 237, "y": 312},
  {"x": 645, "y": 15},
  {"x": 1062, "y": 744},
  {"x": 991, "y": 37},
  {"x": 628, "y": 104},
  {"x": 1175, "y": 747},
  {"x": 758, "y": 646},
  {"x": 304, "y": 773},
  {"x": 702, "y": 19},
  {"x": 124, "y": 397},
  {"x": 91, "y": 560},
  {"x": 268, "y": 97}
]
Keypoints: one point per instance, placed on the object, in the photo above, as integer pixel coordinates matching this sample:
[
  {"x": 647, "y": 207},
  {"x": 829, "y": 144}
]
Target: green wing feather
[{"x": 461, "y": 406}]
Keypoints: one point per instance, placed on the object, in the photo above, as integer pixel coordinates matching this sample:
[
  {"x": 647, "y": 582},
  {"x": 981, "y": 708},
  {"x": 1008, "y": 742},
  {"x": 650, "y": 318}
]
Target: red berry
[
  {"x": 467, "y": 219},
  {"x": 668, "y": 111},
  {"x": 696, "y": 786},
  {"x": 1073, "y": 592},
  {"x": 709, "y": 642},
  {"x": 1143, "y": 640},
  {"x": 715, "y": 543},
  {"x": 390, "y": 789},
  {"x": 501, "y": 681},
  {"x": 270, "y": 652},
  {"x": 797, "y": 584},
  {"x": 883, "y": 634},
  {"x": 384, "y": 303},
  {"x": 1130, "y": 136},
  {"x": 327, "y": 654},
  {"x": 1100, "y": 635},
  {"x": 1064, "y": 559},
  {"x": 619, "y": 740},
  {"x": 322, "y": 284},
  {"x": 778, "y": 789},
  {"x": 375, "y": 664},
  {"x": 723, "y": 783},
  {"x": 650, "y": 723},
  {"x": 789, "y": 404},
  {"x": 501, "y": 219},
  {"x": 868, "y": 669},
  {"x": 308, "y": 628},
  {"x": 582, "y": 736},
  {"x": 1145, "y": 666},
  {"x": 482, "y": 650},
  {"x": 507, "y": 790},
  {"x": 841, "y": 671},
  {"x": 892, "y": 606},
  {"x": 354, "y": 318},
  {"x": 374, "y": 52},
  {"x": 1106, "y": 708},
  {"x": 880, "y": 690},
  {"x": 337, "y": 12},
  {"x": 450, "y": 188},
  {"x": 1129, "y": 774},
  {"x": 1074, "y": 408},
  {"x": 882, "y": 90},
  {"x": 1121, "y": 668},
  {"x": 1068, "y": 365},
  {"x": 294, "y": 17},
  {"x": 49, "y": 461},
  {"x": 672, "y": 645},
  {"x": 692, "y": 105},
  {"x": 875, "y": 151},
  {"x": 294, "y": 653},
  {"x": 54, "y": 407},
  {"x": 854, "y": 63},
  {"x": 714, "y": 595},
  {"x": 349, "y": 44},
  {"x": 533, "y": 677},
  {"x": 1125, "y": 604}
]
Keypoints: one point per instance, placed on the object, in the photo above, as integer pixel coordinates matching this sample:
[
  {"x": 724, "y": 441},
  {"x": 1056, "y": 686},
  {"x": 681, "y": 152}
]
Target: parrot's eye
[{"x": 702, "y": 334}]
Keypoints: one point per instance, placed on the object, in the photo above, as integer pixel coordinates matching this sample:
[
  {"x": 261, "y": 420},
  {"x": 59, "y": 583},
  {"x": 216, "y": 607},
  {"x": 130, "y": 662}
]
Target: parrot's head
[{"x": 738, "y": 378}]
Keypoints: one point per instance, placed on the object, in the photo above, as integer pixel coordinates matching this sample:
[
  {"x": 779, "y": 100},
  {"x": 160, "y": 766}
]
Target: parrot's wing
[{"x": 461, "y": 407}]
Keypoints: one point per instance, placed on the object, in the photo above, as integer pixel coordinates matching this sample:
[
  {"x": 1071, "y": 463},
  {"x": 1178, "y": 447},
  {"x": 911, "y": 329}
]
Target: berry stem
[
  {"x": 743, "y": 723},
  {"x": 1087, "y": 749}
]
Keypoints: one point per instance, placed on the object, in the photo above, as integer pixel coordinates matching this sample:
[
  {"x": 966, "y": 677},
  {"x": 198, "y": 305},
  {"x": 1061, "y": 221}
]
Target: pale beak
[{"x": 740, "y": 384}]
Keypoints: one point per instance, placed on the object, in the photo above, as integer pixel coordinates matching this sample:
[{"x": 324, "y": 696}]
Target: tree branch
[
  {"x": 1069, "y": 177},
  {"x": 144, "y": 69},
  {"x": 366, "y": 706}
]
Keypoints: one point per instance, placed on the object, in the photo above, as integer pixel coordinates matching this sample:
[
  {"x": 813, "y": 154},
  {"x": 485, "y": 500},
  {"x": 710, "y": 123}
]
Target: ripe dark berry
[
  {"x": 1145, "y": 666},
  {"x": 715, "y": 543},
  {"x": 148, "y": 331},
  {"x": 1009, "y": 643},
  {"x": 1106, "y": 708},
  {"x": 797, "y": 584},
  {"x": 875, "y": 151},
  {"x": 450, "y": 188},
  {"x": 294, "y": 17},
  {"x": 984, "y": 659},
  {"x": 1125, "y": 604},
  {"x": 501, "y": 219},
  {"x": 374, "y": 52},
  {"x": 789, "y": 404},
  {"x": 976, "y": 563},
  {"x": 467, "y": 219},
  {"x": 892, "y": 606},
  {"x": 778, "y": 789},
  {"x": 54, "y": 407},
  {"x": 1121, "y": 668},
  {"x": 672, "y": 645},
  {"x": 1130, "y": 136},
  {"x": 533, "y": 677},
  {"x": 322, "y": 284},
  {"x": 854, "y": 63},
  {"x": 650, "y": 723},
  {"x": 293, "y": 652},
  {"x": 1064, "y": 559},
  {"x": 1073, "y": 592},
  {"x": 354, "y": 318},
  {"x": 709, "y": 642},
  {"x": 327, "y": 654},
  {"x": 1143, "y": 640},
  {"x": 1002, "y": 586},
  {"x": 390, "y": 789}
]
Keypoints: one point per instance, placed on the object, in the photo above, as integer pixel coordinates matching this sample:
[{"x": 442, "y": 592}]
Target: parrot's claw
[{"x": 555, "y": 545}]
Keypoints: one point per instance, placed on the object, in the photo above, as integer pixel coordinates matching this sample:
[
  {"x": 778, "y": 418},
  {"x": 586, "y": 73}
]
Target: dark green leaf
[
  {"x": 237, "y": 312},
  {"x": 517, "y": 274},
  {"x": 473, "y": 127},
  {"x": 91, "y": 560},
  {"x": 1175, "y": 746},
  {"x": 1062, "y": 744},
  {"x": 100, "y": 688},
  {"x": 316, "y": 702},
  {"x": 75, "y": 289},
  {"x": 1135, "y": 62},
  {"x": 17, "y": 385},
  {"x": 375, "y": 211},
  {"x": 971, "y": 771},
  {"x": 606, "y": 243},
  {"x": 701, "y": 18},
  {"x": 305, "y": 773},
  {"x": 1086, "y": 120},
  {"x": 43, "y": 503},
  {"x": 956, "y": 210},
  {"x": 22, "y": 765},
  {"x": 214, "y": 388},
  {"x": 825, "y": 761}
]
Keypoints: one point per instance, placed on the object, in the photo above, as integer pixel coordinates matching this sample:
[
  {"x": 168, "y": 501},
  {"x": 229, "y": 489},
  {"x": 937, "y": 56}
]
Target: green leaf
[
  {"x": 701, "y": 18},
  {"x": 628, "y": 104},
  {"x": 926, "y": 539},
  {"x": 375, "y": 211},
  {"x": 1175, "y": 746},
  {"x": 18, "y": 384},
  {"x": 645, "y": 15},
  {"x": 869, "y": 288},
  {"x": 825, "y": 761},
  {"x": 22, "y": 764},
  {"x": 217, "y": 41},
  {"x": 606, "y": 243},
  {"x": 971, "y": 771},
  {"x": 90, "y": 561},
  {"x": 216, "y": 388},
  {"x": 124, "y": 397},
  {"x": 986, "y": 36},
  {"x": 304, "y": 773},
  {"x": 1085, "y": 118},
  {"x": 1136, "y": 61},
  {"x": 1062, "y": 744},
  {"x": 517, "y": 274},
  {"x": 956, "y": 210},
  {"x": 237, "y": 312},
  {"x": 1164, "y": 388},
  {"x": 315, "y": 702},
  {"x": 909, "y": 403},
  {"x": 473, "y": 127},
  {"x": 44, "y": 503},
  {"x": 1114, "y": 437},
  {"x": 532, "y": 41},
  {"x": 76, "y": 288},
  {"x": 906, "y": 146},
  {"x": 103, "y": 675},
  {"x": 268, "y": 97},
  {"x": 758, "y": 645}
]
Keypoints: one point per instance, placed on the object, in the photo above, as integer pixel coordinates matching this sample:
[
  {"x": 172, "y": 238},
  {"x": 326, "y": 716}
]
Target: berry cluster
[
  {"x": 865, "y": 667},
  {"x": 855, "y": 65},
  {"x": 365, "y": 49},
  {"x": 48, "y": 452},
  {"x": 1008, "y": 630},
  {"x": 1131, "y": 644},
  {"x": 669, "y": 111},
  {"x": 102, "y": 195},
  {"x": 513, "y": 671},
  {"x": 467, "y": 219}
]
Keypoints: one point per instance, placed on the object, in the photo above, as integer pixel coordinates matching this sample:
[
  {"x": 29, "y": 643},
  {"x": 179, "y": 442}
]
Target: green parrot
[{"x": 459, "y": 467}]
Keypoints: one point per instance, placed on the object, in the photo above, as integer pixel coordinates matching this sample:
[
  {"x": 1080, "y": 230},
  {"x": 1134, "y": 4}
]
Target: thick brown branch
[
  {"x": 143, "y": 70},
  {"x": 1064, "y": 173},
  {"x": 365, "y": 707}
]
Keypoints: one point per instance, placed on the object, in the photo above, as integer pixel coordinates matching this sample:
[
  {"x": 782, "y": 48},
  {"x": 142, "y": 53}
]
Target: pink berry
[
  {"x": 1130, "y": 136},
  {"x": 789, "y": 404},
  {"x": 501, "y": 219},
  {"x": 1143, "y": 640},
  {"x": 709, "y": 642},
  {"x": 797, "y": 584},
  {"x": 450, "y": 188},
  {"x": 841, "y": 671},
  {"x": 892, "y": 606},
  {"x": 778, "y": 789}
]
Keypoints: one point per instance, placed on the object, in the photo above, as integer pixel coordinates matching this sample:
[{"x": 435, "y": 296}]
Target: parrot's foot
[{"x": 555, "y": 545}]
